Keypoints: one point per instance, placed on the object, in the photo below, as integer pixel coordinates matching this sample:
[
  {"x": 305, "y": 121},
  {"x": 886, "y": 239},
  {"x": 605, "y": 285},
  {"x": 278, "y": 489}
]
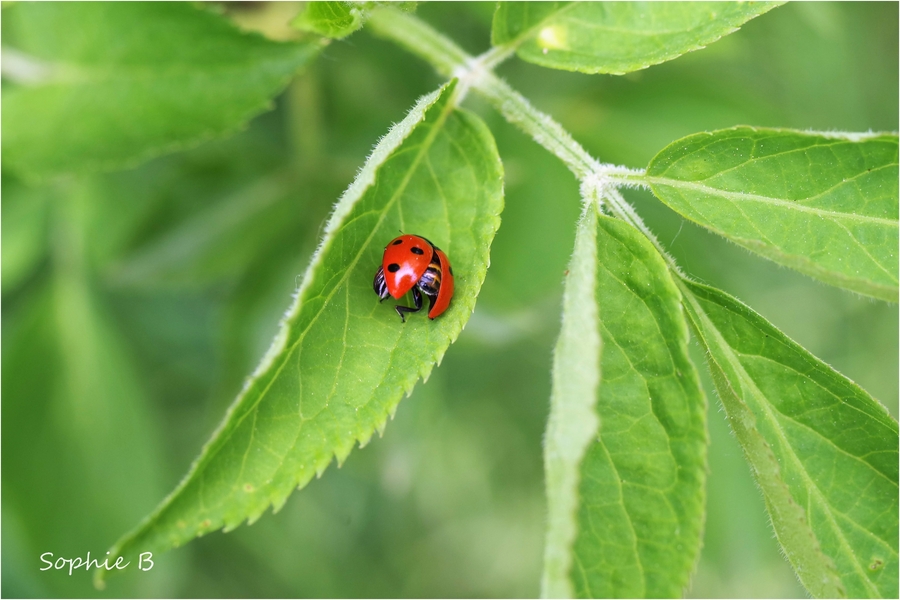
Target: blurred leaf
[
  {"x": 76, "y": 420},
  {"x": 221, "y": 240},
  {"x": 615, "y": 37},
  {"x": 341, "y": 361},
  {"x": 573, "y": 422},
  {"x": 24, "y": 232},
  {"x": 822, "y": 450},
  {"x": 642, "y": 483},
  {"x": 108, "y": 85},
  {"x": 332, "y": 19},
  {"x": 824, "y": 204}
]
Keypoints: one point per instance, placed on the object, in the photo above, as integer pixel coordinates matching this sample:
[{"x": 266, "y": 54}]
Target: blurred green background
[{"x": 134, "y": 304}]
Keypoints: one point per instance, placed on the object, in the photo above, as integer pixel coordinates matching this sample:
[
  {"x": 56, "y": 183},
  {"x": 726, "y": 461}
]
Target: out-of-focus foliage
[
  {"x": 172, "y": 276},
  {"x": 106, "y": 85}
]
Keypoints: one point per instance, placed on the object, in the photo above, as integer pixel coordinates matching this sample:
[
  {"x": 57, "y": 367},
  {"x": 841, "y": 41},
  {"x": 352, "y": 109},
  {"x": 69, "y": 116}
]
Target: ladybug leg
[
  {"x": 417, "y": 299},
  {"x": 380, "y": 286}
]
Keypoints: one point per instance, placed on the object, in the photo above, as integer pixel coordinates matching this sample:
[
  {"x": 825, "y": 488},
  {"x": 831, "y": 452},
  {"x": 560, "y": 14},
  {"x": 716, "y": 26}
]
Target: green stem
[
  {"x": 449, "y": 59},
  {"x": 496, "y": 55},
  {"x": 545, "y": 131},
  {"x": 419, "y": 38},
  {"x": 598, "y": 180}
]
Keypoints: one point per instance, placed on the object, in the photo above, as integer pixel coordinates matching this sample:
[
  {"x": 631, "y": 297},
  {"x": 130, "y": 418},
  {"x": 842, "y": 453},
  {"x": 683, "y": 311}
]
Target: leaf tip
[
  {"x": 322, "y": 466},
  {"x": 365, "y": 439},
  {"x": 343, "y": 451}
]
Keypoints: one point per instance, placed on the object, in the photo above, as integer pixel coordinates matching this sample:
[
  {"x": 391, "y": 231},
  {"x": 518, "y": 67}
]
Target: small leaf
[
  {"x": 638, "y": 507},
  {"x": 106, "y": 85},
  {"x": 342, "y": 361},
  {"x": 615, "y": 37},
  {"x": 332, "y": 19},
  {"x": 823, "y": 452},
  {"x": 824, "y": 204}
]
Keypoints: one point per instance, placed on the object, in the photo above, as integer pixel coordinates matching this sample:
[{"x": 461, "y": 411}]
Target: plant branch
[
  {"x": 419, "y": 38},
  {"x": 449, "y": 59},
  {"x": 598, "y": 180}
]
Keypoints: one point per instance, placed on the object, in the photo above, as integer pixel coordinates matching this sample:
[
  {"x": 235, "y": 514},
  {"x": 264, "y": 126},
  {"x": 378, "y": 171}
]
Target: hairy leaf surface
[
  {"x": 573, "y": 422},
  {"x": 824, "y": 204},
  {"x": 342, "y": 361},
  {"x": 640, "y": 483},
  {"x": 822, "y": 450},
  {"x": 615, "y": 37},
  {"x": 104, "y": 85}
]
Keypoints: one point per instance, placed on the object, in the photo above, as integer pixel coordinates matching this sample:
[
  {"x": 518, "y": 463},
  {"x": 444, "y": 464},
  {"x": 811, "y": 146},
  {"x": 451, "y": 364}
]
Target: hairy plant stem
[
  {"x": 599, "y": 181},
  {"x": 599, "y": 187}
]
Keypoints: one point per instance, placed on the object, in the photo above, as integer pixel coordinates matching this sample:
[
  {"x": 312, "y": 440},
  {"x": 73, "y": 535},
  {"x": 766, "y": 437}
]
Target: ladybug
[{"x": 411, "y": 262}]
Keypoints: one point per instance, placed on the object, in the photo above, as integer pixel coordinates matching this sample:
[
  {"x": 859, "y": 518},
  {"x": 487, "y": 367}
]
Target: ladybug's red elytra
[{"x": 411, "y": 262}]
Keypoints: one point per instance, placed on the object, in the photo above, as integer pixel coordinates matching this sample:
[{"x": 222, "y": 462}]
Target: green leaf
[
  {"x": 106, "y": 85},
  {"x": 615, "y": 37},
  {"x": 823, "y": 452},
  {"x": 332, "y": 19},
  {"x": 342, "y": 361},
  {"x": 24, "y": 232},
  {"x": 824, "y": 204},
  {"x": 626, "y": 510}
]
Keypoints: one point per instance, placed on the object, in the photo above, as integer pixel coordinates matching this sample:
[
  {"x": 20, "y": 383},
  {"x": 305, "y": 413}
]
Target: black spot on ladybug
[
  {"x": 417, "y": 250},
  {"x": 451, "y": 270},
  {"x": 393, "y": 267},
  {"x": 397, "y": 242}
]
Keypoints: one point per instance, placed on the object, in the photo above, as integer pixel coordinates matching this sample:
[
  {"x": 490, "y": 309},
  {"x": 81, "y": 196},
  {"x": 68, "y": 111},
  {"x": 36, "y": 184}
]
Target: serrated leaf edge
[{"x": 364, "y": 179}]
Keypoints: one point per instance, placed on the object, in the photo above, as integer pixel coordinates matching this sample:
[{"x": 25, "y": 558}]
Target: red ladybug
[{"x": 413, "y": 263}]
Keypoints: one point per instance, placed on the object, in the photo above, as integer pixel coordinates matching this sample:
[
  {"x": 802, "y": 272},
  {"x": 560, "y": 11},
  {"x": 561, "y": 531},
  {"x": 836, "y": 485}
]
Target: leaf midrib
[
  {"x": 738, "y": 133},
  {"x": 767, "y": 247},
  {"x": 776, "y": 202},
  {"x": 424, "y": 147},
  {"x": 815, "y": 382}
]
